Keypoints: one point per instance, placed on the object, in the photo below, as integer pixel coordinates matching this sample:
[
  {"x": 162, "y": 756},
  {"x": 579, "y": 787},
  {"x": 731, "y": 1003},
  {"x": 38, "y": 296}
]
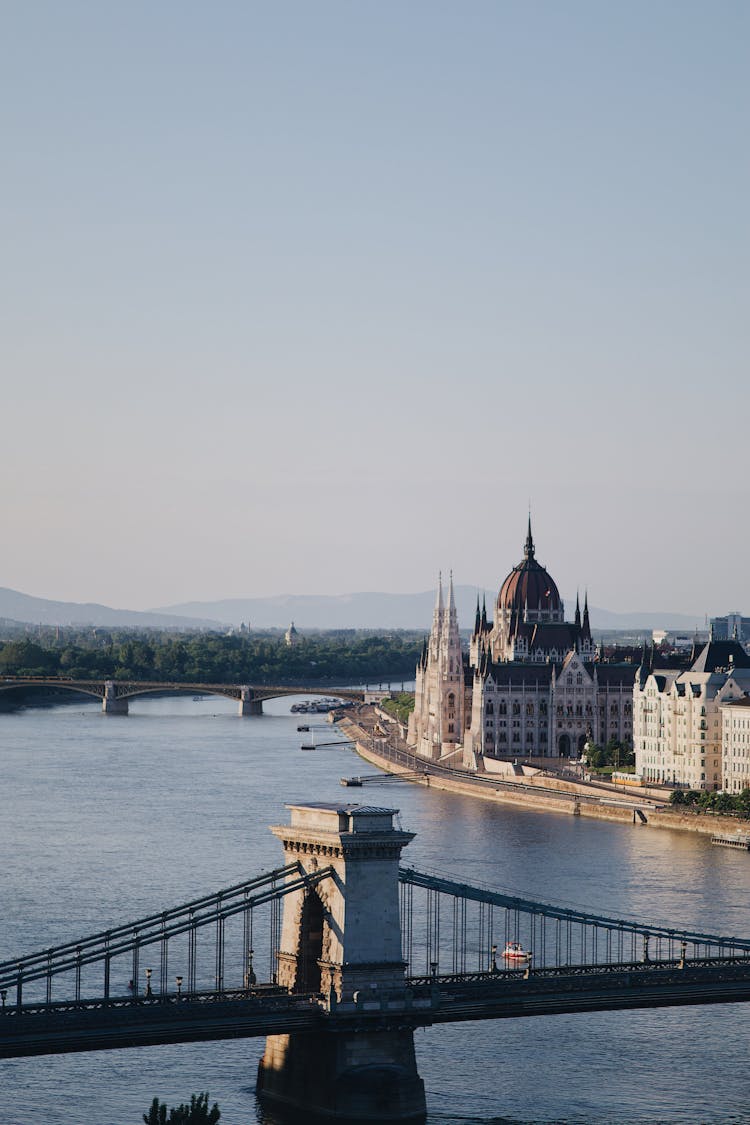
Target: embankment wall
[{"x": 560, "y": 798}]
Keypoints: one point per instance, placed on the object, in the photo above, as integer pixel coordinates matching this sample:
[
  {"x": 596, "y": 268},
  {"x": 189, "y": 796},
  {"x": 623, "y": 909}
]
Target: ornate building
[
  {"x": 686, "y": 730},
  {"x": 531, "y": 685},
  {"x": 437, "y": 722}
]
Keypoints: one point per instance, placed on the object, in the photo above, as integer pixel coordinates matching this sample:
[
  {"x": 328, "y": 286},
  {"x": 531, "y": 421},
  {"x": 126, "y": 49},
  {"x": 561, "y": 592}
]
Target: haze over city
[{"x": 321, "y": 298}]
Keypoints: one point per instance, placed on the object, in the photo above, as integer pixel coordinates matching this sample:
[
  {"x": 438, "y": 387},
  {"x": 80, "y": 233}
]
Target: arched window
[
  {"x": 579, "y": 678},
  {"x": 516, "y": 707},
  {"x": 490, "y": 708},
  {"x": 529, "y": 708},
  {"x": 502, "y": 708}
]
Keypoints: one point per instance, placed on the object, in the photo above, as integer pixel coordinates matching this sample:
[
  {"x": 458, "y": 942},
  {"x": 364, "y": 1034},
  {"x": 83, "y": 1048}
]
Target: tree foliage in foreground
[{"x": 197, "y": 1113}]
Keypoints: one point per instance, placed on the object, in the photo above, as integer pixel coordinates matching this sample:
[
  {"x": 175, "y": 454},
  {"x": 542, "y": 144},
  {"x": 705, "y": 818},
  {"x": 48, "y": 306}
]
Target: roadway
[{"x": 90, "y": 1025}]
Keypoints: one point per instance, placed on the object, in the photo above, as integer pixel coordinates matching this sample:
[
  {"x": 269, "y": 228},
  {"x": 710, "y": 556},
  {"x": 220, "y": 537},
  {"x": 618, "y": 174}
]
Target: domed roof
[{"x": 529, "y": 585}]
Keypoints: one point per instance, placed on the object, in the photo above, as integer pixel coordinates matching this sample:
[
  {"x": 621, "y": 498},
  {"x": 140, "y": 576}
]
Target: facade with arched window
[{"x": 531, "y": 685}]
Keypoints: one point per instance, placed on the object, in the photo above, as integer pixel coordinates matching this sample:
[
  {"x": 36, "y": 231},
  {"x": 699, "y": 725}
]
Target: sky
[{"x": 322, "y": 297}]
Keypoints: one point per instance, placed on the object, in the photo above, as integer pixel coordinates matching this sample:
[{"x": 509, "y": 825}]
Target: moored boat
[{"x": 740, "y": 840}]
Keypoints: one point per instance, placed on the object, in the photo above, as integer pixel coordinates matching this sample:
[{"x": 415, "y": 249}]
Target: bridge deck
[{"x": 127, "y": 1022}]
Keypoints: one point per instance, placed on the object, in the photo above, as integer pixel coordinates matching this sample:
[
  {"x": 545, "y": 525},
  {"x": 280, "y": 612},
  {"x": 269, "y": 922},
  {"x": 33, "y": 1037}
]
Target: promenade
[{"x": 378, "y": 739}]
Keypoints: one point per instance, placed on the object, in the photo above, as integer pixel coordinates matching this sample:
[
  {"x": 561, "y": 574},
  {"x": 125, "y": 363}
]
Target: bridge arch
[
  {"x": 93, "y": 688},
  {"x": 312, "y": 922}
]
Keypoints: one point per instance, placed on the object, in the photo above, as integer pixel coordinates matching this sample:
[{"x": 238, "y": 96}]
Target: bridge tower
[{"x": 343, "y": 938}]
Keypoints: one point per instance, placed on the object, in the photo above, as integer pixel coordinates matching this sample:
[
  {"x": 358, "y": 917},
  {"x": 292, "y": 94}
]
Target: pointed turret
[
  {"x": 528, "y": 550},
  {"x": 451, "y": 607},
  {"x": 577, "y": 618},
  {"x": 450, "y": 640},
  {"x": 586, "y": 623},
  {"x": 477, "y": 619},
  {"x": 484, "y": 613},
  {"x": 437, "y": 614}
]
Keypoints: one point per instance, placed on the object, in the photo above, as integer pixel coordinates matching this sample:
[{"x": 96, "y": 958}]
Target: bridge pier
[
  {"x": 112, "y": 704},
  {"x": 249, "y": 705},
  {"x": 342, "y": 938},
  {"x": 367, "y": 1077}
]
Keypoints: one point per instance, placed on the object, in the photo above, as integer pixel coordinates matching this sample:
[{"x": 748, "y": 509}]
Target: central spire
[{"x": 528, "y": 550}]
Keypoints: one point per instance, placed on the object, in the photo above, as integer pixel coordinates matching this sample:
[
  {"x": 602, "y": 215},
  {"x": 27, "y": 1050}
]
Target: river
[{"x": 107, "y": 818}]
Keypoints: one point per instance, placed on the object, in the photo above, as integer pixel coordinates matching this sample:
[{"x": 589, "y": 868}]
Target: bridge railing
[
  {"x": 213, "y": 942},
  {"x": 458, "y": 928}
]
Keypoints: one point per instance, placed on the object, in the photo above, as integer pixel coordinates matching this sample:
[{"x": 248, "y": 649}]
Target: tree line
[
  {"x": 711, "y": 800},
  {"x": 215, "y": 658}
]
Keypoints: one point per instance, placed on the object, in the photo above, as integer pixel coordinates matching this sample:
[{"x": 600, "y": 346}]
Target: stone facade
[
  {"x": 342, "y": 938},
  {"x": 735, "y": 744},
  {"x": 678, "y": 725},
  {"x": 437, "y": 722},
  {"x": 531, "y": 686}
]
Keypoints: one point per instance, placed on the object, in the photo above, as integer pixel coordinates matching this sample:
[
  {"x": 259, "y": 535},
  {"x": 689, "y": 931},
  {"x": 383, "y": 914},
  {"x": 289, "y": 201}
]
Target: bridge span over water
[
  {"x": 115, "y": 694},
  {"x": 356, "y": 952}
]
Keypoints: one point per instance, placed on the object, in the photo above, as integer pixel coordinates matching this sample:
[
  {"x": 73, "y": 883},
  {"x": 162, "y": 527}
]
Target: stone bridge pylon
[{"x": 342, "y": 937}]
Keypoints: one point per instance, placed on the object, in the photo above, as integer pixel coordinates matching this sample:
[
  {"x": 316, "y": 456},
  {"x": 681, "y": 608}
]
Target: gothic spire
[
  {"x": 451, "y": 601},
  {"x": 478, "y": 618},
  {"x": 577, "y": 619},
  {"x": 528, "y": 550},
  {"x": 586, "y": 623}
]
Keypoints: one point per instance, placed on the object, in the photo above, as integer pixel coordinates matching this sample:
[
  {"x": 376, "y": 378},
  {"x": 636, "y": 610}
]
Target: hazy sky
[{"x": 316, "y": 297}]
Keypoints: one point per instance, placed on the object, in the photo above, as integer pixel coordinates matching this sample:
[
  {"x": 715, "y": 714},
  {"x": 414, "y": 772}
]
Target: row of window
[{"x": 562, "y": 709}]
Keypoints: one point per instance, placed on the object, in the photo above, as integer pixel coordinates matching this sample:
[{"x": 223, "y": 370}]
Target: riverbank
[{"x": 542, "y": 794}]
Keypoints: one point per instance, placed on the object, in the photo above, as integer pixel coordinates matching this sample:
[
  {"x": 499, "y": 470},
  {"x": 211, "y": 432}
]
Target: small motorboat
[{"x": 515, "y": 954}]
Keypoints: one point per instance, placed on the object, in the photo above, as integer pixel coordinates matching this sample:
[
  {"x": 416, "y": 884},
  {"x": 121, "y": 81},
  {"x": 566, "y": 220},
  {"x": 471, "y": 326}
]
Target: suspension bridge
[{"x": 337, "y": 956}]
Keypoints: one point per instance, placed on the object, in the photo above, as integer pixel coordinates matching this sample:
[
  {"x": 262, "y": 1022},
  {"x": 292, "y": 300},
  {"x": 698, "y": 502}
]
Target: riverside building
[
  {"x": 735, "y": 744},
  {"x": 679, "y": 725},
  {"x": 530, "y": 685}
]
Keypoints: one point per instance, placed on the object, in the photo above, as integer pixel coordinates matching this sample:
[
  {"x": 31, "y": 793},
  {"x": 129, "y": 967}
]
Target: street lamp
[
  {"x": 148, "y": 982},
  {"x": 250, "y": 977},
  {"x": 493, "y": 955},
  {"x": 179, "y": 986}
]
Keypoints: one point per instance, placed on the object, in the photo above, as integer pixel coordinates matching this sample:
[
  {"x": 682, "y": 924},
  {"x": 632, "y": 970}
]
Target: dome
[{"x": 529, "y": 585}]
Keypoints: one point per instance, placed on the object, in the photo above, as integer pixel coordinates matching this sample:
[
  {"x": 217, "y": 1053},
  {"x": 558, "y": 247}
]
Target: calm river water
[{"x": 107, "y": 818}]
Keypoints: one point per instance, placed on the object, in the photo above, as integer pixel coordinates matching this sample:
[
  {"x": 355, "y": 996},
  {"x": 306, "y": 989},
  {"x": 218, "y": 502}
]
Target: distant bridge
[
  {"x": 344, "y": 959},
  {"x": 115, "y": 694}
]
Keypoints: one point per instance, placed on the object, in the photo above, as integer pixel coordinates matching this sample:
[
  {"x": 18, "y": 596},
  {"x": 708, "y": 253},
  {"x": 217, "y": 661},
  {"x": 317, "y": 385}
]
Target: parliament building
[{"x": 530, "y": 685}]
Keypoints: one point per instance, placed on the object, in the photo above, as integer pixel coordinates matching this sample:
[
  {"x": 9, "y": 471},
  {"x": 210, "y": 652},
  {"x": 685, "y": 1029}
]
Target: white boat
[{"x": 515, "y": 953}]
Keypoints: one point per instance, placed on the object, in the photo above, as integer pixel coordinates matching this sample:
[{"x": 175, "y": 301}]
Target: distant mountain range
[
  {"x": 25, "y": 609},
  {"x": 308, "y": 611},
  {"x": 392, "y": 611}
]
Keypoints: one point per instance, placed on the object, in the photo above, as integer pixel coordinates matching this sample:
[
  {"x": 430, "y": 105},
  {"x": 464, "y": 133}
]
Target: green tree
[{"x": 197, "y": 1113}]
